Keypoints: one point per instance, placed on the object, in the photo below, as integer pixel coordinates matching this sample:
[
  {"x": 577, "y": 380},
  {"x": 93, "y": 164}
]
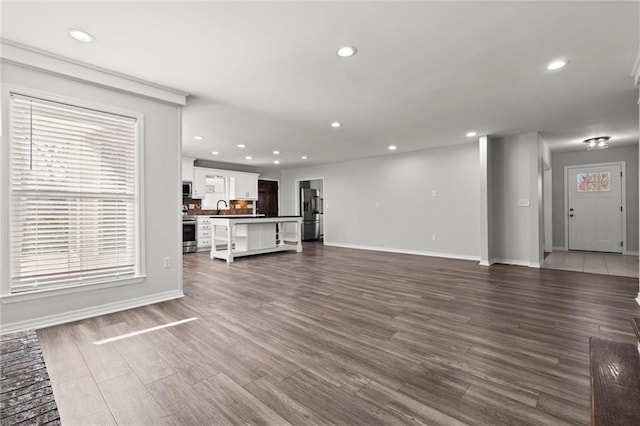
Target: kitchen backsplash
[{"x": 235, "y": 207}]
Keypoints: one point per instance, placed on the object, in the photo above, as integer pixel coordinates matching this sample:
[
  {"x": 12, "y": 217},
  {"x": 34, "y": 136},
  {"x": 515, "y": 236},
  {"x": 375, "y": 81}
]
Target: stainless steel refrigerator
[{"x": 310, "y": 206}]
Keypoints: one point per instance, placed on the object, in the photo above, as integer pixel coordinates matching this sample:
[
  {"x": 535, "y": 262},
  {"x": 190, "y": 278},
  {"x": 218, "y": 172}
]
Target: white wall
[
  {"x": 547, "y": 181},
  {"x": 628, "y": 154},
  {"x": 517, "y": 168},
  {"x": 269, "y": 174},
  {"x": 162, "y": 225},
  {"x": 386, "y": 202},
  {"x": 489, "y": 174}
]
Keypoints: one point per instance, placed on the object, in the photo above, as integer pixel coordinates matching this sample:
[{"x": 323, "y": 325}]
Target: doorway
[
  {"x": 267, "y": 198},
  {"x": 595, "y": 209},
  {"x": 311, "y": 208}
]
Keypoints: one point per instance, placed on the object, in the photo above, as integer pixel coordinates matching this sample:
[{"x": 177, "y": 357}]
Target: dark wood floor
[{"x": 343, "y": 336}]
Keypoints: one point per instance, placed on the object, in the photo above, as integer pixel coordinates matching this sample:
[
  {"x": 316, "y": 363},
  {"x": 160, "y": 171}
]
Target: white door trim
[{"x": 623, "y": 184}]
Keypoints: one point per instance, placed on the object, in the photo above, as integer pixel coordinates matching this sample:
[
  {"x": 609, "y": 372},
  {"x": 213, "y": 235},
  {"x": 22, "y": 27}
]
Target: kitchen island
[{"x": 235, "y": 236}]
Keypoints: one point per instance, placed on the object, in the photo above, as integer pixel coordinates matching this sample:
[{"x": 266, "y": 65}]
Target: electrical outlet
[
  {"x": 434, "y": 237},
  {"x": 434, "y": 193},
  {"x": 167, "y": 262},
  {"x": 523, "y": 202}
]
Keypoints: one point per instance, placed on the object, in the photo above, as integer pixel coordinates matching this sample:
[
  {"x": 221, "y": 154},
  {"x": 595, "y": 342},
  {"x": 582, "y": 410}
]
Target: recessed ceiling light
[
  {"x": 241, "y": 145},
  {"x": 471, "y": 134},
  {"x": 276, "y": 162},
  {"x": 556, "y": 65},
  {"x": 276, "y": 152},
  {"x": 392, "y": 147},
  {"x": 80, "y": 35},
  {"x": 346, "y": 51},
  {"x": 215, "y": 152},
  {"x": 199, "y": 138},
  {"x": 304, "y": 157},
  {"x": 336, "y": 124},
  {"x": 248, "y": 157}
]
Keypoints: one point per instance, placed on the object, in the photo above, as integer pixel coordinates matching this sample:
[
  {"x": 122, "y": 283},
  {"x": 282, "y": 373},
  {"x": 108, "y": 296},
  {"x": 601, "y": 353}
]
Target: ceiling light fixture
[
  {"x": 304, "y": 157},
  {"x": 248, "y": 157},
  {"x": 199, "y": 138},
  {"x": 471, "y": 134},
  {"x": 600, "y": 142},
  {"x": 80, "y": 35},
  {"x": 276, "y": 162},
  {"x": 276, "y": 152},
  {"x": 392, "y": 147},
  {"x": 336, "y": 124},
  {"x": 215, "y": 152},
  {"x": 241, "y": 145},
  {"x": 556, "y": 65},
  {"x": 347, "y": 51}
]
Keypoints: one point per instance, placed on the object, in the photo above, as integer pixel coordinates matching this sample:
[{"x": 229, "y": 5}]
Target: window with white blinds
[{"x": 73, "y": 195}]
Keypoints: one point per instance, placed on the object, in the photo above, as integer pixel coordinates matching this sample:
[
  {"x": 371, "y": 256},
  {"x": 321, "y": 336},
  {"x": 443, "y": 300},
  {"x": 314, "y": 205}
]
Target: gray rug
[{"x": 25, "y": 391}]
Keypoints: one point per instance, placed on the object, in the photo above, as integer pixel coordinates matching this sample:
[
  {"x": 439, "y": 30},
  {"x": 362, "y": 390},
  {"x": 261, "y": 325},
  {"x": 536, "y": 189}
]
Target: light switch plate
[
  {"x": 434, "y": 193},
  {"x": 523, "y": 202}
]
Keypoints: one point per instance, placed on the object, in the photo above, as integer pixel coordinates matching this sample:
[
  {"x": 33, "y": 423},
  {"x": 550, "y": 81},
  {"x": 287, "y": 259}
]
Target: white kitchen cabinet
[
  {"x": 187, "y": 169},
  {"x": 216, "y": 191},
  {"x": 243, "y": 187},
  {"x": 204, "y": 233},
  {"x": 199, "y": 188},
  {"x": 262, "y": 236}
]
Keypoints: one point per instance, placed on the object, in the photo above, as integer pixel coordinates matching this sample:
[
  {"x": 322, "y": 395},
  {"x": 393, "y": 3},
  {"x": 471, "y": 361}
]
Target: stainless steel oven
[{"x": 189, "y": 234}]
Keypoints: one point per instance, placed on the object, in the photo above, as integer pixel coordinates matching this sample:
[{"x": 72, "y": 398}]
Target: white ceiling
[{"x": 265, "y": 74}]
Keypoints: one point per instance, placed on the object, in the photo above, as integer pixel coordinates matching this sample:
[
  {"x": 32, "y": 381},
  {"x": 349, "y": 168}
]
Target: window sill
[{"x": 60, "y": 291}]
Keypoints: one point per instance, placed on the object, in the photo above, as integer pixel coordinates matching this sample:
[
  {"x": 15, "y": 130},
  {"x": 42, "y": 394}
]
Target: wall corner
[{"x": 485, "y": 202}]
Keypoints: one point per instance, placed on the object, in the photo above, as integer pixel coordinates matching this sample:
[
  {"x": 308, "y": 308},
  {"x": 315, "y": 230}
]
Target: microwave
[{"x": 186, "y": 189}]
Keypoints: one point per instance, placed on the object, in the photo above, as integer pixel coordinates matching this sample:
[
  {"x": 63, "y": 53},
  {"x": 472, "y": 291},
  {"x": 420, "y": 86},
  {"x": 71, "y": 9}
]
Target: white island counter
[{"x": 235, "y": 236}]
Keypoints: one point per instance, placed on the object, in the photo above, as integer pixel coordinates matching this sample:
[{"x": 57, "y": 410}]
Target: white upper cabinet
[
  {"x": 212, "y": 185},
  {"x": 216, "y": 192},
  {"x": 243, "y": 186},
  {"x": 187, "y": 169},
  {"x": 199, "y": 188}
]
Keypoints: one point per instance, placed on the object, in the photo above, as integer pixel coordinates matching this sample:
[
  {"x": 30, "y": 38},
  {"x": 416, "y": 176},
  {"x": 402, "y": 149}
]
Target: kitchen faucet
[{"x": 218, "y": 205}]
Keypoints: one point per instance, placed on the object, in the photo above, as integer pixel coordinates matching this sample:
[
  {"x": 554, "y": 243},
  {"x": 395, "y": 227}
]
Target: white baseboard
[
  {"x": 516, "y": 262},
  {"x": 629, "y": 252},
  {"x": 403, "y": 251},
  {"x": 51, "y": 320}
]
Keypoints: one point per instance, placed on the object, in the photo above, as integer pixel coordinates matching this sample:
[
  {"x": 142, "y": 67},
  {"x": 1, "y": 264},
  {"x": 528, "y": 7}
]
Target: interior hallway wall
[{"x": 517, "y": 175}]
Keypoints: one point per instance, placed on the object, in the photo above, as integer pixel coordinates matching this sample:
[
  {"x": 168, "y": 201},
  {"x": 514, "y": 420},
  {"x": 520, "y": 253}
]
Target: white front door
[{"x": 595, "y": 208}]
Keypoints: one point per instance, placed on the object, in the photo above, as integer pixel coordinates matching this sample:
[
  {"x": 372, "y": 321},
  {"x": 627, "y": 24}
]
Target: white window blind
[{"x": 73, "y": 195}]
